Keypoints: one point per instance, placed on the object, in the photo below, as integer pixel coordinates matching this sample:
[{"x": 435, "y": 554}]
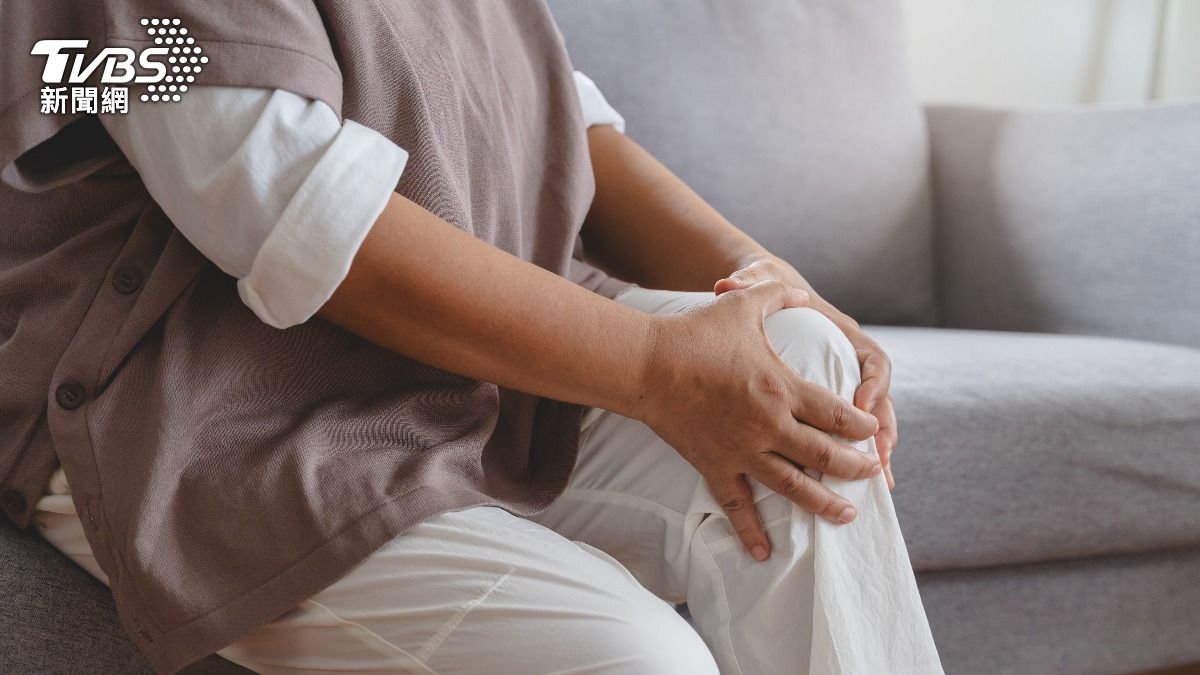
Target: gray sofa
[{"x": 1035, "y": 276}]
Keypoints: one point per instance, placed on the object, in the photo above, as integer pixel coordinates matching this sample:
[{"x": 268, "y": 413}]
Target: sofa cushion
[
  {"x": 56, "y": 618},
  {"x": 1019, "y": 447},
  {"x": 797, "y": 120},
  {"x": 1109, "y": 614}
]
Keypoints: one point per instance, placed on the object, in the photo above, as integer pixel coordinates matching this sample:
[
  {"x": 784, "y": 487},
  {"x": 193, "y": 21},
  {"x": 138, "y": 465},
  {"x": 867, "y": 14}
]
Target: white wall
[{"x": 1036, "y": 52}]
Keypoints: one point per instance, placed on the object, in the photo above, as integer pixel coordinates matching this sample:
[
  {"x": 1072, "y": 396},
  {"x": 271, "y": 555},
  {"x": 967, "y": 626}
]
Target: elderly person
[{"x": 312, "y": 369}]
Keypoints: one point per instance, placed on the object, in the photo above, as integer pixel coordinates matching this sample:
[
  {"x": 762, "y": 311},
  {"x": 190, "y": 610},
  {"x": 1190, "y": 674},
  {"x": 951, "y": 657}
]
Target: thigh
[
  {"x": 474, "y": 591},
  {"x": 477, "y": 591}
]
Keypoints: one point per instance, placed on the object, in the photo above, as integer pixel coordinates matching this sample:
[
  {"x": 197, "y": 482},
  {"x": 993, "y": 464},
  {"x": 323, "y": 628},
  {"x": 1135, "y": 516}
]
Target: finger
[
  {"x": 818, "y": 450},
  {"x": 771, "y": 296},
  {"x": 737, "y": 502},
  {"x": 728, "y": 284},
  {"x": 884, "y": 446},
  {"x": 888, "y": 434},
  {"x": 887, "y": 438},
  {"x": 806, "y": 492},
  {"x": 736, "y": 281},
  {"x": 819, "y": 407},
  {"x": 742, "y": 278},
  {"x": 867, "y": 395},
  {"x": 876, "y": 379},
  {"x": 893, "y": 424}
]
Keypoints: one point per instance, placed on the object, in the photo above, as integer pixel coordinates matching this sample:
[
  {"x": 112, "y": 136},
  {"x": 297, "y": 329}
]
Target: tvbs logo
[{"x": 166, "y": 69}]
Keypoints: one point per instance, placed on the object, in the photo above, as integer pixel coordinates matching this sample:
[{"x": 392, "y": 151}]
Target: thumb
[{"x": 740, "y": 279}]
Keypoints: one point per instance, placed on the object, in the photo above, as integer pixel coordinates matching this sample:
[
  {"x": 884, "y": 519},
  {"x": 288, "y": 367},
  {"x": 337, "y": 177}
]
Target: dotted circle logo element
[{"x": 185, "y": 59}]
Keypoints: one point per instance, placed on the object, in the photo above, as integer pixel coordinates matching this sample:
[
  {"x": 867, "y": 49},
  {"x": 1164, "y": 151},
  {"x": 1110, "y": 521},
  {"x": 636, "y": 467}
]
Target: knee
[
  {"x": 658, "y": 642},
  {"x": 816, "y": 348}
]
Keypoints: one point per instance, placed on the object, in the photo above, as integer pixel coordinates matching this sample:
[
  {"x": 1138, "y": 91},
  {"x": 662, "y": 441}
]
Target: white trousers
[{"x": 587, "y": 587}]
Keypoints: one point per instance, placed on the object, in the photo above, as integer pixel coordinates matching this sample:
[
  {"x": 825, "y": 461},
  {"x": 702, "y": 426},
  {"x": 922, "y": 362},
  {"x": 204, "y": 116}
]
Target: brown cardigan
[{"x": 226, "y": 470}]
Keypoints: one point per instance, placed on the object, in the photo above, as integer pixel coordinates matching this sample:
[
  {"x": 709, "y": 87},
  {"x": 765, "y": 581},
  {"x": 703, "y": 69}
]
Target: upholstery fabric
[
  {"x": 797, "y": 120},
  {"x": 1070, "y": 221},
  {"x": 1022, "y": 448},
  {"x": 1094, "y": 616},
  {"x": 56, "y": 618}
]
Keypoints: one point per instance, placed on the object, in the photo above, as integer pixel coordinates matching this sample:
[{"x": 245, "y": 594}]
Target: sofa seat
[
  {"x": 57, "y": 618},
  {"x": 1021, "y": 447}
]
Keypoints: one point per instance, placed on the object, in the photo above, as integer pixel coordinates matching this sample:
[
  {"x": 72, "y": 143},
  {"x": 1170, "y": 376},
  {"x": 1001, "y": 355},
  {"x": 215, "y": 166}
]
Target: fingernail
[
  {"x": 875, "y": 471},
  {"x": 847, "y": 515},
  {"x": 759, "y": 552}
]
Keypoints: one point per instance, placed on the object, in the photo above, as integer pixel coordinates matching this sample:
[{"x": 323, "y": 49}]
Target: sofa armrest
[{"x": 1074, "y": 220}]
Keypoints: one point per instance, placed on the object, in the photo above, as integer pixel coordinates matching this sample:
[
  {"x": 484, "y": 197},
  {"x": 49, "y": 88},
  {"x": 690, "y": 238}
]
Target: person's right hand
[{"x": 719, "y": 394}]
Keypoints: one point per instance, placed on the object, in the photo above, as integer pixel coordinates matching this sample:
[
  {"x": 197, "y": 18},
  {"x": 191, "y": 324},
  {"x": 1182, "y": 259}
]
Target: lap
[
  {"x": 473, "y": 591},
  {"x": 477, "y": 591},
  {"x": 481, "y": 590},
  {"x": 481, "y": 586}
]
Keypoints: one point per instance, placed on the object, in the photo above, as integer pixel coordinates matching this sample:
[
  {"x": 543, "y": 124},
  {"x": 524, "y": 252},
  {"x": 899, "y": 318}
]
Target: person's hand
[
  {"x": 873, "y": 394},
  {"x": 715, "y": 389}
]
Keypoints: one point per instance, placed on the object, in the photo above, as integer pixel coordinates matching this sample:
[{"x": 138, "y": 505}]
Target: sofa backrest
[
  {"x": 1070, "y": 220},
  {"x": 795, "y": 118}
]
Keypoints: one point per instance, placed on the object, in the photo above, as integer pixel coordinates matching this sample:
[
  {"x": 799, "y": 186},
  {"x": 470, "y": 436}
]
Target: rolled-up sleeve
[
  {"x": 596, "y": 109},
  {"x": 270, "y": 186},
  {"x": 274, "y": 188}
]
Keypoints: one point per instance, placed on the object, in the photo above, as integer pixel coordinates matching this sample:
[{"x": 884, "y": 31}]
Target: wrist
[
  {"x": 629, "y": 398},
  {"x": 647, "y": 377}
]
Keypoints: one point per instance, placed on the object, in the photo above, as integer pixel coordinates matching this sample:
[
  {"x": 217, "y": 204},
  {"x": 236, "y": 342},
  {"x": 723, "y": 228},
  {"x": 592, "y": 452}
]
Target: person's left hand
[{"x": 873, "y": 394}]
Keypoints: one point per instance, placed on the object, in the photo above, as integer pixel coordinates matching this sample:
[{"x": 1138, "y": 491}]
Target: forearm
[
  {"x": 643, "y": 214},
  {"x": 421, "y": 287}
]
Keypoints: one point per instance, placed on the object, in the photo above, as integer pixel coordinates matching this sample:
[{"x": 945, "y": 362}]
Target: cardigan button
[
  {"x": 70, "y": 395},
  {"x": 127, "y": 280},
  {"x": 13, "y": 501}
]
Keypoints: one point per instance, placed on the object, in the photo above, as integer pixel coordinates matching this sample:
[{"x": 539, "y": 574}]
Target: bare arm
[
  {"x": 422, "y": 287},
  {"x": 642, "y": 212}
]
